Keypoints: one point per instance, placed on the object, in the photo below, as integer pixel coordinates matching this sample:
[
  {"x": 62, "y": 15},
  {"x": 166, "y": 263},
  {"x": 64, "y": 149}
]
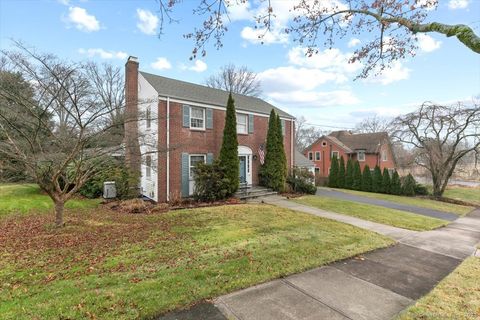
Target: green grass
[
  {"x": 374, "y": 213},
  {"x": 414, "y": 201},
  {"x": 456, "y": 297},
  {"x": 471, "y": 195},
  {"x": 108, "y": 265},
  {"x": 24, "y": 198}
]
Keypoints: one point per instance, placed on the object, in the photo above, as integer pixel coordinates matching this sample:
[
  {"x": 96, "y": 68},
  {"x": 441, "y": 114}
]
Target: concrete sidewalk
[
  {"x": 387, "y": 204},
  {"x": 377, "y": 285}
]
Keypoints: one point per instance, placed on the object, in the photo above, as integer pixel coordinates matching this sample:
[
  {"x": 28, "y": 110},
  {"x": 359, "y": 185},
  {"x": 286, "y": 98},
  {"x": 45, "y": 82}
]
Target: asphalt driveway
[{"x": 387, "y": 204}]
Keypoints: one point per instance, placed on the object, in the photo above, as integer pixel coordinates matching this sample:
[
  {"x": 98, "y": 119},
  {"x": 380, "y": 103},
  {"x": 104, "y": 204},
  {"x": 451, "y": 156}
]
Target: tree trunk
[{"x": 59, "y": 206}]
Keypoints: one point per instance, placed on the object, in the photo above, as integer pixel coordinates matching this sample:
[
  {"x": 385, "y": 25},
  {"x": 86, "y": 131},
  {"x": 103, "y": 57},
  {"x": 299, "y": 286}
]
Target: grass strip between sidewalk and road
[{"x": 392, "y": 217}]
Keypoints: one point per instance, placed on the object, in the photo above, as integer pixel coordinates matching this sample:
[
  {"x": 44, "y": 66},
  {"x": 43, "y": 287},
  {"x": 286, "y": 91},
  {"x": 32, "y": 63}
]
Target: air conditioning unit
[
  {"x": 109, "y": 190},
  {"x": 150, "y": 189}
]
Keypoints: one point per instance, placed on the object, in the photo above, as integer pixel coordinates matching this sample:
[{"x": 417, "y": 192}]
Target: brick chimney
[{"x": 132, "y": 146}]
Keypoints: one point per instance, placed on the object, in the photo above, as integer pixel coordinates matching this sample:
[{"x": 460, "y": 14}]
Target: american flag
[{"x": 261, "y": 154}]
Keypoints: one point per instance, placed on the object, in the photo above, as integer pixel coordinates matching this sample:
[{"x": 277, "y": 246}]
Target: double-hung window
[
  {"x": 335, "y": 154},
  {"x": 317, "y": 155},
  {"x": 361, "y": 155},
  {"x": 242, "y": 123},
  {"x": 148, "y": 166},
  {"x": 194, "y": 160},
  {"x": 197, "y": 118},
  {"x": 310, "y": 156}
]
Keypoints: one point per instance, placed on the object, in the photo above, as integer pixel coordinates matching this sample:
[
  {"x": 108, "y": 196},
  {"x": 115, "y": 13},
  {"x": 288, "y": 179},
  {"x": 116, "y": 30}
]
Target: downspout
[{"x": 168, "y": 149}]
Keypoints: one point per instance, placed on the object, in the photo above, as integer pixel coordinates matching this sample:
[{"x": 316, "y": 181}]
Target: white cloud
[
  {"x": 104, "y": 54},
  {"x": 458, "y": 4},
  {"x": 161, "y": 64},
  {"x": 148, "y": 22},
  {"x": 82, "y": 20},
  {"x": 331, "y": 60},
  {"x": 239, "y": 11},
  {"x": 427, "y": 43},
  {"x": 353, "y": 42},
  {"x": 64, "y": 2},
  {"x": 263, "y": 36},
  {"x": 396, "y": 72},
  {"x": 314, "y": 99},
  {"x": 199, "y": 66}
]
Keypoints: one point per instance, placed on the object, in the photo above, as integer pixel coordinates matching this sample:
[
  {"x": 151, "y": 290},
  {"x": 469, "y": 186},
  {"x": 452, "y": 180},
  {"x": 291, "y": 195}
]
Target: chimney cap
[{"x": 132, "y": 59}]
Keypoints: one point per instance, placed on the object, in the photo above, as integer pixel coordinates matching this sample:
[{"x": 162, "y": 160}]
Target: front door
[{"x": 243, "y": 168}]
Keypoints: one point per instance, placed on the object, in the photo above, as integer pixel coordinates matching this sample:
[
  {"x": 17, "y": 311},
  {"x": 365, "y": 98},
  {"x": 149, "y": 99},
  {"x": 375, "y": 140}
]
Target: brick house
[
  {"x": 368, "y": 148},
  {"x": 181, "y": 124}
]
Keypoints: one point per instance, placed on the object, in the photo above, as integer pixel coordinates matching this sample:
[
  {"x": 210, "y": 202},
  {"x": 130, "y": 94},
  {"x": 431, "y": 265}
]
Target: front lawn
[
  {"x": 27, "y": 197},
  {"x": 392, "y": 217},
  {"x": 456, "y": 297},
  {"x": 414, "y": 201},
  {"x": 107, "y": 265},
  {"x": 471, "y": 195}
]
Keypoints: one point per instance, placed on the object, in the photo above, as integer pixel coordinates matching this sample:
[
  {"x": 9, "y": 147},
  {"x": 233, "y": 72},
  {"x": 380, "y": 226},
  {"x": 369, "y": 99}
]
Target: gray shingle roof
[
  {"x": 197, "y": 93},
  {"x": 370, "y": 142},
  {"x": 301, "y": 161}
]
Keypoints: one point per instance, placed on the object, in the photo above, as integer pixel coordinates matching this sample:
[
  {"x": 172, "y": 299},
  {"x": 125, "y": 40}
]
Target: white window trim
[
  {"x": 204, "y": 118},
  {"x": 310, "y": 155},
  {"x": 246, "y": 122},
  {"x": 384, "y": 156},
  {"x": 190, "y": 162},
  {"x": 337, "y": 153},
  {"x": 148, "y": 167},
  {"x": 358, "y": 156},
  {"x": 319, "y": 156}
]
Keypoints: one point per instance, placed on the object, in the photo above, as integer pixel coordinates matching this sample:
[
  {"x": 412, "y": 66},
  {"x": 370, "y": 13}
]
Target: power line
[{"x": 328, "y": 126}]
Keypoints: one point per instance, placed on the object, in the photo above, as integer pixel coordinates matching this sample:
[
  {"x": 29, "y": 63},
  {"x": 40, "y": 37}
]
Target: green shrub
[
  {"x": 211, "y": 182},
  {"x": 408, "y": 185},
  {"x": 421, "y": 190},
  {"x": 349, "y": 175},
  {"x": 386, "y": 181},
  {"x": 341, "y": 173},
  {"x": 395, "y": 185},
  {"x": 333, "y": 174},
  {"x": 366, "y": 179},
  {"x": 111, "y": 170},
  {"x": 302, "y": 181},
  {"x": 377, "y": 183},
  {"x": 357, "y": 176}
]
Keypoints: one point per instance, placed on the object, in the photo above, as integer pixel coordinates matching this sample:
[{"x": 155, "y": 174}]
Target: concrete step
[{"x": 251, "y": 195}]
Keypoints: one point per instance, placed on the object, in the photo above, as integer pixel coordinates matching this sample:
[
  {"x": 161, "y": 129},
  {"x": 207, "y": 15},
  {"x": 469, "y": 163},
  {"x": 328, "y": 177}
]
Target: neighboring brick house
[
  {"x": 368, "y": 148},
  {"x": 182, "y": 123}
]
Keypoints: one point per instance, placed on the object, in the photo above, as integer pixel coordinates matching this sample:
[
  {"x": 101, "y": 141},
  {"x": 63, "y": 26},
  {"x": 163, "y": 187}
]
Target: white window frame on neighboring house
[
  {"x": 317, "y": 156},
  {"x": 242, "y": 127},
  {"x": 336, "y": 153},
  {"x": 358, "y": 156},
  {"x": 190, "y": 167},
  {"x": 148, "y": 118},
  {"x": 310, "y": 155},
  {"x": 197, "y": 119},
  {"x": 148, "y": 166},
  {"x": 384, "y": 156}
]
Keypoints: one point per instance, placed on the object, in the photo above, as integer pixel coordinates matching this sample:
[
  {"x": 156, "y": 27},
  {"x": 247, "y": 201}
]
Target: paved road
[
  {"x": 377, "y": 285},
  {"x": 388, "y": 204}
]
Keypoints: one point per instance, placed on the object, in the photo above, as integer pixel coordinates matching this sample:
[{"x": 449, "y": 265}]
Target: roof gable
[
  {"x": 370, "y": 142},
  {"x": 202, "y": 94}
]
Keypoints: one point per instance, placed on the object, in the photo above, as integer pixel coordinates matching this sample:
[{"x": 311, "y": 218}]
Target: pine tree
[
  {"x": 341, "y": 173},
  {"x": 357, "y": 176},
  {"x": 366, "y": 179},
  {"x": 229, "y": 152},
  {"x": 386, "y": 181},
  {"x": 377, "y": 184},
  {"x": 282, "y": 157},
  {"x": 395, "y": 185},
  {"x": 349, "y": 175},
  {"x": 408, "y": 186},
  {"x": 333, "y": 174}
]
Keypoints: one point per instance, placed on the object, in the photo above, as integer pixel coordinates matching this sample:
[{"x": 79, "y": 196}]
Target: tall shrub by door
[
  {"x": 229, "y": 152},
  {"x": 282, "y": 157}
]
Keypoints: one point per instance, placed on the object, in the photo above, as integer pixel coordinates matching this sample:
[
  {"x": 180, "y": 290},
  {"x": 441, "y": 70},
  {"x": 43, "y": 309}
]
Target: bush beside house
[{"x": 301, "y": 180}]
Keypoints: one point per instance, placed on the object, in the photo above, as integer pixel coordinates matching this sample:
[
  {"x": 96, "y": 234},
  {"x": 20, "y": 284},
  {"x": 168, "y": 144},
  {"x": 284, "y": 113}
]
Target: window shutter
[
  {"x": 209, "y": 158},
  {"x": 209, "y": 116},
  {"x": 186, "y": 116},
  {"x": 185, "y": 169},
  {"x": 283, "y": 127},
  {"x": 250, "y": 123}
]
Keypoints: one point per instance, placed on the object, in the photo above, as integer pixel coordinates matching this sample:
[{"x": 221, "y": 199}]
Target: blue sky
[{"x": 321, "y": 88}]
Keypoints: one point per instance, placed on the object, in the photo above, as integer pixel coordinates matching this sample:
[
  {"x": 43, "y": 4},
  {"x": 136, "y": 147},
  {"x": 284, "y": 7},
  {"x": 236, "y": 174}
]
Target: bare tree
[
  {"x": 393, "y": 26},
  {"x": 441, "y": 136},
  {"x": 67, "y": 153},
  {"x": 237, "y": 80},
  {"x": 306, "y": 134},
  {"x": 373, "y": 124}
]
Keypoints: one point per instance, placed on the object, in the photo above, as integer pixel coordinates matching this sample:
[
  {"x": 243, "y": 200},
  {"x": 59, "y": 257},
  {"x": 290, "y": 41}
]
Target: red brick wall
[
  {"x": 206, "y": 141},
  {"x": 325, "y": 161}
]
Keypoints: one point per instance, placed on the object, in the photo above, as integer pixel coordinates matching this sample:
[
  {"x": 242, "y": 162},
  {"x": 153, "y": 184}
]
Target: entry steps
[{"x": 251, "y": 192}]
